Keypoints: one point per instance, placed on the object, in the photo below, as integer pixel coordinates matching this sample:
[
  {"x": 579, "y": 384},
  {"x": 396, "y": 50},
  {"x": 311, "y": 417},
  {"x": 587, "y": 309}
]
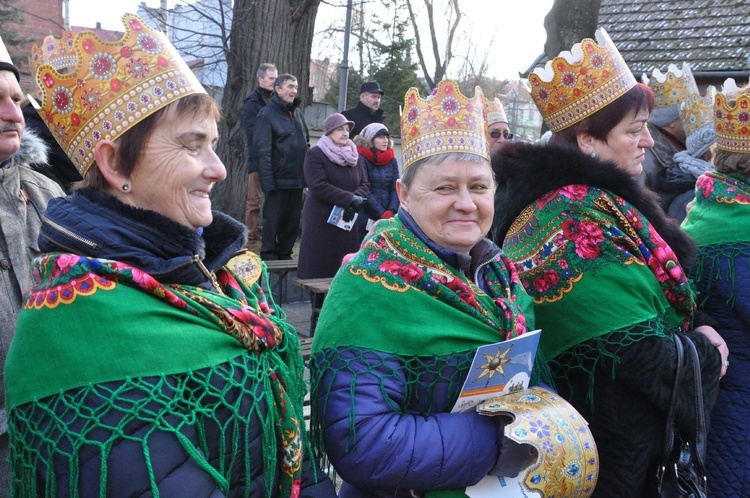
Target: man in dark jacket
[
  {"x": 280, "y": 141},
  {"x": 368, "y": 110},
  {"x": 257, "y": 100}
]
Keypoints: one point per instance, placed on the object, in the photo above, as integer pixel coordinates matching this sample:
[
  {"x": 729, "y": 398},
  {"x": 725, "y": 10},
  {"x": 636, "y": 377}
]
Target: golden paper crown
[
  {"x": 494, "y": 112},
  {"x": 445, "y": 121},
  {"x": 697, "y": 112},
  {"x": 567, "y": 461},
  {"x": 732, "y": 122},
  {"x": 576, "y": 84},
  {"x": 673, "y": 87},
  {"x": 94, "y": 89}
]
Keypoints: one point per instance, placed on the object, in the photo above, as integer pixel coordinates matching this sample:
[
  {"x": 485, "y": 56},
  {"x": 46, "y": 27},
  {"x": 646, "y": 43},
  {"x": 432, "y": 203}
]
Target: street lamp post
[{"x": 344, "y": 72}]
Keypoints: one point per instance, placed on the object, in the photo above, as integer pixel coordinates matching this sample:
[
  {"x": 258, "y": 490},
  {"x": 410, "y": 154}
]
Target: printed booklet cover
[
  {"x": 498, "y": 369},
  {"x": 336, "y": 218}
]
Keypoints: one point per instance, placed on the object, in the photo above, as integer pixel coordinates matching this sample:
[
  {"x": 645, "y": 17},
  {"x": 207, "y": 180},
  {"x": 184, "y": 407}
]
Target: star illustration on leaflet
[{"x": 494, "y": 364}]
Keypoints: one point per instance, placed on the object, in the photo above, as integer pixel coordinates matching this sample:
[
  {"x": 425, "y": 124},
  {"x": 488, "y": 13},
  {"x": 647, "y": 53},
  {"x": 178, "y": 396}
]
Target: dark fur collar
[
  {"x": 526, "y": 172},
  {"x": 141, "y": 237}
]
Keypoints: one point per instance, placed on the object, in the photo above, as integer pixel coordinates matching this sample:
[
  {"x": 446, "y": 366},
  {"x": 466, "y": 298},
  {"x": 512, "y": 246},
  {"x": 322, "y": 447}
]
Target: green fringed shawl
[
  {"x": 396, "y": 278},
  {"x": 174, "y": 348},
  {"x": 396, "y": 296},
  {"x": 594, "y": 265},
  {"x": 718, "y": 220}
]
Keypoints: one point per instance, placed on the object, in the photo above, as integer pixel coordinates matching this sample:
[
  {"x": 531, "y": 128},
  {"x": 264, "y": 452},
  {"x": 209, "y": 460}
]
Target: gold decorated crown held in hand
[
  {"x": 445, "y": 121},
  {"x": 576, "y": 84},
  {"x": 94, "y": 89}
]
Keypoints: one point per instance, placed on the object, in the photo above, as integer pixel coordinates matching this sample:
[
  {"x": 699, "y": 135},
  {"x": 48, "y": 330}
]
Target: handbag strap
[
  {"x": 700, "y": 414},
  {"x": 669, "y": 431}
]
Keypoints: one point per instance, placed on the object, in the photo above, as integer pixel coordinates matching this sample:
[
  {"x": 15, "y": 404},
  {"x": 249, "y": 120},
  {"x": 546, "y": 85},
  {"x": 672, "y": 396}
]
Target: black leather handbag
[{"x": 681, "y": 473}]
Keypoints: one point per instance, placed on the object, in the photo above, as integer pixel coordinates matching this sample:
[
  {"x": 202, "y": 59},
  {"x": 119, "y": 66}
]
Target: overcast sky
[{"x": 515, "y": 28}]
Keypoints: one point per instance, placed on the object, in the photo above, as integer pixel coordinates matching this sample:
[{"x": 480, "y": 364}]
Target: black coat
[
  {"x": 280, "y": 141},
  {"x": 362, "y": 116},
  {"x": 629, "y": 399},
  {"x": 257, "y": 100},
  {"x": 323, "y": 246}
]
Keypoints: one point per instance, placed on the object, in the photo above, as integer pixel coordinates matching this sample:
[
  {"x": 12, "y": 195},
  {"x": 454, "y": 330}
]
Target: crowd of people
[{"x": 619, "y": 236}]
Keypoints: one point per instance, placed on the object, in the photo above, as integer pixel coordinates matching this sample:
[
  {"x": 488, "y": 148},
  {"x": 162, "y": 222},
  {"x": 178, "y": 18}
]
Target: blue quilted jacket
[{"x": 728, "y": 302}]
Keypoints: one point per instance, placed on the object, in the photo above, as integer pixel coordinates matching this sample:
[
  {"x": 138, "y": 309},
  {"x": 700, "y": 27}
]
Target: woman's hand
[{"x": 718, "y": 342}]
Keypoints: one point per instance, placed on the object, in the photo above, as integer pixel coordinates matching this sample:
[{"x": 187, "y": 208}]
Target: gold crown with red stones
[
  {"x": 494, "y": 112},
  {"x": 94, "y": 89},
  {"x": 673, "y": 87},
  {"x": 445, "y": 121},
  {"x": 732, "y": 118},
  {"x": 576, "y": 84},
  {"x": 697, "y": 111}
]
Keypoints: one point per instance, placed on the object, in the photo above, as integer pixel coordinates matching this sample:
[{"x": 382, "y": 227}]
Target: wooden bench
[
  {"x": 318, "y": 288},
  {"x": 282, "y": 268}
]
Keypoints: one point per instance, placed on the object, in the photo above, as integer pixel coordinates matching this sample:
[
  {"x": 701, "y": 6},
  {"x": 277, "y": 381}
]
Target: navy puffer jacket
[{"x": 728, "y": 302}]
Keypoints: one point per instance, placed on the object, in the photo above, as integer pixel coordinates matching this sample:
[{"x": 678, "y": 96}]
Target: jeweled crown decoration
[
  {"x": 445, "y": 121},
  {"x": 672, "y": 88},
  {"x": 697, "y": 111},
  {"x": 576, "y": 84},
  {"x": 732, "y": 121},
  {"x": 494, "y": 112},
  {"x": 94, "y": 89}
]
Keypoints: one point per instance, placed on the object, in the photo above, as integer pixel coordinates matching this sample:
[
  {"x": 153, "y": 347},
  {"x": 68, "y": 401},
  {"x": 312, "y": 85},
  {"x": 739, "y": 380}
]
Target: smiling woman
[
  {"x": 405, "y": 314},
  {"x": 163, "y": 368}
]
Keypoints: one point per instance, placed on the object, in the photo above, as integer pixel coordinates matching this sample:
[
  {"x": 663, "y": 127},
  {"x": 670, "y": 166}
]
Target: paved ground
[{"x": 298, "y": 314}]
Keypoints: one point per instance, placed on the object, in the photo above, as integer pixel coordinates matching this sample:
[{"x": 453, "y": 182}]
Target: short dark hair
[
  {"x": 133, "y": 141},
  {"x": 264, "y": 68},
  {"x": 599, "y": 124},
  {"x": 282, "y": 78}
]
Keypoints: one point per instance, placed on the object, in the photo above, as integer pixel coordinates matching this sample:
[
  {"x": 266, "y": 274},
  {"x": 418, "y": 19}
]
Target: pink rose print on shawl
[
  {"x": 586, "y": 237},
  {"x": 463, "y": 292},
  {"x": 575, "y": 192},
  {"x": 542, "y": 283},
  {"x": 409, "y": 272},
  {"x": 514, "y": 317},
  {"x": 260, "y": 327},
  {"x": 64, "y": 262},
  {"x": 705, "y": 186},
  {"x": 663, "y": 261},
  {"x": 634, "y": 219}
]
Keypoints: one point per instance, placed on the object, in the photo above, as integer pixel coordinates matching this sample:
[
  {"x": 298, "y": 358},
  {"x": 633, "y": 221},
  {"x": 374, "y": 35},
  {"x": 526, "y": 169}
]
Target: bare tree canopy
[{"x": 568, "y": 22}]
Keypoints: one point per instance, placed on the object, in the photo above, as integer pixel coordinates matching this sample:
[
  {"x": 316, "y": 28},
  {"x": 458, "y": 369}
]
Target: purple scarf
[{"x": 343, "y": 156}]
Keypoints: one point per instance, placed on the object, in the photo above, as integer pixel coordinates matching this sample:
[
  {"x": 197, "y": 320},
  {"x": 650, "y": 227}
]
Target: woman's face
[
  {"x": 177, "y": 169},
  {"x": 452, "y": 202},
  {"x": 380, "y": 143},
  {"x": 626, "y": 143},
  {"x": 340, "y": 135}
]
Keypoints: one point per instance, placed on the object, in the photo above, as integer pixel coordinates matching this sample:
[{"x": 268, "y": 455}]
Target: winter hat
[
  {"x": 334, "y": 121},
  {"x": 373, "y": 130}
]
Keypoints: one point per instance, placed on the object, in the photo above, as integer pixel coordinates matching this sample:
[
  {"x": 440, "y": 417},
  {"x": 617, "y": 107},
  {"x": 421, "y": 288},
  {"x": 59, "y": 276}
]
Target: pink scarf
[{"x": 343, "y": 156}]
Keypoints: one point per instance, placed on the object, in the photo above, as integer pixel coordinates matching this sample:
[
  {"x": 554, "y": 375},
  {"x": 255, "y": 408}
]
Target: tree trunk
[
  {"x": 276, "y": 31},
  {"x": 568, "y": 22}
]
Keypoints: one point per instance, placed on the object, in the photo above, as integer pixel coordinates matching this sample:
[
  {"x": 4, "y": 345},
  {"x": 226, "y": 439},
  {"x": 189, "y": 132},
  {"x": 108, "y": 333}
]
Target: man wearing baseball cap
[{"x": 367, "y": 110}]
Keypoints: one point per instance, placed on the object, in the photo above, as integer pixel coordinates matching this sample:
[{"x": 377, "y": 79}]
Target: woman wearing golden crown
[
  {"x": 603, "y": 263},
  {"x": 147, "y": 361},
  {"x": 406, "y": 313},
  {"x": 718, "y": 219}
]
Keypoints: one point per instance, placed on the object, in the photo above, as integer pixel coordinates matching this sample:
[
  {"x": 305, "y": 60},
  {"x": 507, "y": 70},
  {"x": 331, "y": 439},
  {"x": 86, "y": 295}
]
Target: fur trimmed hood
[
  {"x": 526, "y": 172},
  {"x": 33, "y": 150}
]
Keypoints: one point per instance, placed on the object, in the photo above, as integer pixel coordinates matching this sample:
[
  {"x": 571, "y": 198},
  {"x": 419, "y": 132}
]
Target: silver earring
[
  {"x": 593, "y": 154},
  {"x": 125, "y": 187}
]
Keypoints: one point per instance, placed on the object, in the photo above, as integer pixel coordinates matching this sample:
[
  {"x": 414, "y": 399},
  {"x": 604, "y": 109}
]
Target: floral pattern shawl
[{"x": 593, "y": 265}]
